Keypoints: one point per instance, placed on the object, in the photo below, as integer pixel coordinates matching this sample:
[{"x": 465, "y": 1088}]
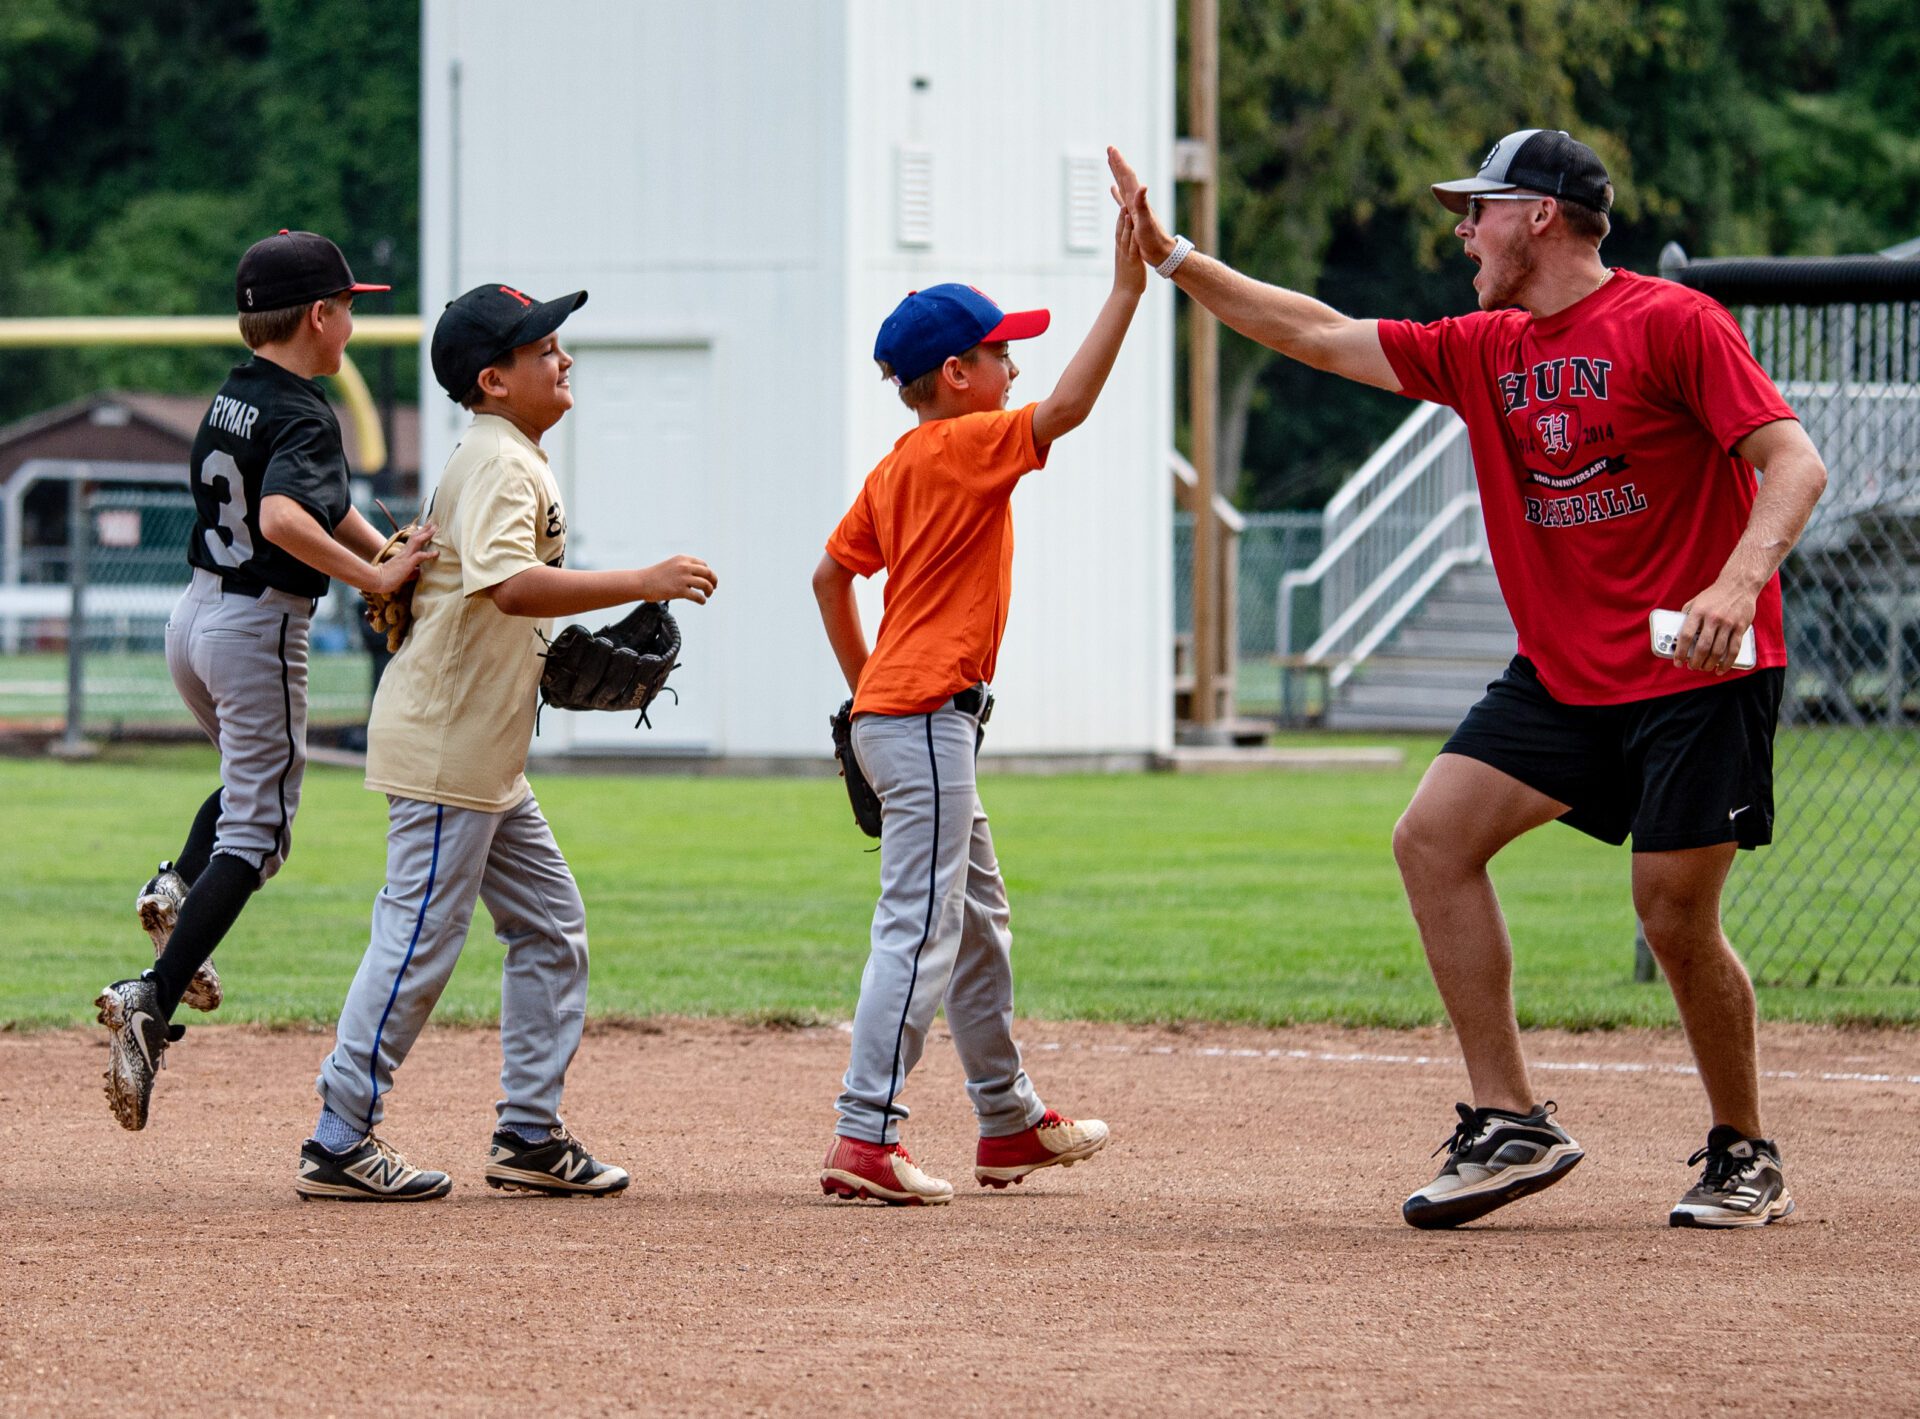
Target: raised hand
[
  {"x": 1129, "y": 273},
  {"x": 1149, "y": 237}
]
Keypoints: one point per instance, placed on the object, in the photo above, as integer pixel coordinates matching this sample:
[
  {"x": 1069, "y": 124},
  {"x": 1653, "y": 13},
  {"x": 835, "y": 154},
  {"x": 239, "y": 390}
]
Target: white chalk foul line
[
  {"x": 1430, "y": 1061},
  {"x": 1436, "y": 1061}
]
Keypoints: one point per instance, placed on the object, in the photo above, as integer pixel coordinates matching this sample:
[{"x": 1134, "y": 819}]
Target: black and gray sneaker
[
  {"x": 1494, "y": 1157},
  {"x": 1742, "y": 1186},
  {"x": 158, "y": 907},
  {"x": 560, "y": 1167},
  {"x": 137, "y": 1039},
  {"x": 370, "y": 1171}
]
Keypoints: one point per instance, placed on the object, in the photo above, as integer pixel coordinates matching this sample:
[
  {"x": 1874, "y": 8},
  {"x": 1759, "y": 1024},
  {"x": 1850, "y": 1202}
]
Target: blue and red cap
[{"x": 930, "y": 326}]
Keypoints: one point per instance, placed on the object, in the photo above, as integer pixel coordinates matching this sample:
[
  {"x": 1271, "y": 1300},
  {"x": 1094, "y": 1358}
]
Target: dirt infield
[{"x": 1238, "y": 1249}]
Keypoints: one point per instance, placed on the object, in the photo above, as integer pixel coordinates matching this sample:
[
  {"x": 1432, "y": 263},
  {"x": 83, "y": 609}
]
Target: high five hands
[{"x": 1150, "y": 239}]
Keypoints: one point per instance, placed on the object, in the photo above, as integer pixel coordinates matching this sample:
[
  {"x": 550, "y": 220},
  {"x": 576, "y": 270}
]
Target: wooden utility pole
[{"x": 1203, "y": 350}]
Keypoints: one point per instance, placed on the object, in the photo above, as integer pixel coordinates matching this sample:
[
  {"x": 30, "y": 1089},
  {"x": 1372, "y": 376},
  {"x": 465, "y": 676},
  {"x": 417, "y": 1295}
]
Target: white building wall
[{"x": 721, "y": 178}]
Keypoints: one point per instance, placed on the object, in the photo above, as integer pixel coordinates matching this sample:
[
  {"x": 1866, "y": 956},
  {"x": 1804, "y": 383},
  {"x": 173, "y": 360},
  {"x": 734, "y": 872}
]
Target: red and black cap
[
  {"x": 1545, "y": 160},
  {"x": 292, "y": 268},
  {"x": 478, "y": 328}
]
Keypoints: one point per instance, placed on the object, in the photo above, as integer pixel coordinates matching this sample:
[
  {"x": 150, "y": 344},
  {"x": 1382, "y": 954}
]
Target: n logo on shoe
[
  {"x": 381, "y": 1172},
  {"x": 570, "y": 1166}
]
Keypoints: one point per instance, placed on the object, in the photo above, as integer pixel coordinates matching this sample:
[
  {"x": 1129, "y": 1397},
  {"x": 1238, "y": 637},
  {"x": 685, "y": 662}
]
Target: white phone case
[{"x": 1665, "y": 628}]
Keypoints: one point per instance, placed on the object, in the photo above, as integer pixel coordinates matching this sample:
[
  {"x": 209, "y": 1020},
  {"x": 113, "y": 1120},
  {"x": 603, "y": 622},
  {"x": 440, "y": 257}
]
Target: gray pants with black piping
[
  {"x": 940, "y": 931},
  {"x": 439, "y": 859},
  {"x": 240, "y": 665}
]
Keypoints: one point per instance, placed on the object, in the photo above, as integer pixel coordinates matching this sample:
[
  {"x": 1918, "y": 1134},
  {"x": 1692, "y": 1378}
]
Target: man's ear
[
  {"x": 491, "y": 383},
  {"x": 316, "y": 316},
  {"x": 954, "y": 371}
]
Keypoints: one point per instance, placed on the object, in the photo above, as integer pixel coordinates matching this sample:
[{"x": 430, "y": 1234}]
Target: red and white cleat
[
  {"x": 1052, "y": 1141},
  {"x": 881, "y": 1172}
]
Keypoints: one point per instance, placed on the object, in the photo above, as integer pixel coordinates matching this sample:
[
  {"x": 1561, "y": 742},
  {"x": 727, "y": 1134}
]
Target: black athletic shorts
[{"x": 1678, "y": 771}]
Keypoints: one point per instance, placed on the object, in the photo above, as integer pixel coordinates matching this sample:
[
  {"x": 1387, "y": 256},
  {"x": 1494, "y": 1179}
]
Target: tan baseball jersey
[{"x": 454, "y": 714}]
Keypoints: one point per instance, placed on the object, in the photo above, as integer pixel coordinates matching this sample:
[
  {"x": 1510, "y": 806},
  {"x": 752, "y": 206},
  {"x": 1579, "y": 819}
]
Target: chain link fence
[
  {"x": 128, "y": 549},
  {"x": 1836, "y": 899},
  {"x": 1272, "y": 544}
]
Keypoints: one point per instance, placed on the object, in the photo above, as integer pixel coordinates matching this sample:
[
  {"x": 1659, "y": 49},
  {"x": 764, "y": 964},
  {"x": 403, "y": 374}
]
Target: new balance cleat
[
  {"x": 370, "y": 1171},
  {"x": 1052, "y": 1142},
  {"x": 559, "y": 1167},
  {"x": 158, "y": 907},
  {"x": 1494, "y": 1157},
  {"x": 137, "y": 1040},
  {"x": 879, "y": 1172},
  {"x": 1742, "y": 1185}
]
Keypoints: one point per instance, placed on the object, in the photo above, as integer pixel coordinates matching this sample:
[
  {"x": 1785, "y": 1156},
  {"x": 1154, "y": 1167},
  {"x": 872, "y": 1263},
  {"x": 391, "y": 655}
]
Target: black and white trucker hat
[{"x": 1544, "y": 160}]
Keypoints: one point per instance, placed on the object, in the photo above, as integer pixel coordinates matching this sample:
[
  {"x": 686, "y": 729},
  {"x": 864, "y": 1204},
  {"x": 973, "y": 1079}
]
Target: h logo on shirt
[{"x": 1556, "y": 434}]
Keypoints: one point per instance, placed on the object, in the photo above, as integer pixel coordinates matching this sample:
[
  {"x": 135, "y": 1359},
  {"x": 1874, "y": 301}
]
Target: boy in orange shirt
[{"x": 935, "y": 514}]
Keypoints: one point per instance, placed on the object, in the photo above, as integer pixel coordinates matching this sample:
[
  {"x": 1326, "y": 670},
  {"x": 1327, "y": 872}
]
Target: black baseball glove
[
  {"x": 866, "y": 803},
  {"x": 618, "y": 667}
]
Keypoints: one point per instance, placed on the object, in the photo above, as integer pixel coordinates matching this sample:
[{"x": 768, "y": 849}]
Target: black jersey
[{"x": 268, "y": 431}]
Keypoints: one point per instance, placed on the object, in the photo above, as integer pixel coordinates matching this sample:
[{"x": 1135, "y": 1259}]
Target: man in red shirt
[{"x": 1617, "y": 423}]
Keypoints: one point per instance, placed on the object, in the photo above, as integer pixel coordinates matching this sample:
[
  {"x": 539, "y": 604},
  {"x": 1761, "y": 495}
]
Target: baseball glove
[
  {"x": 392, "y": 611},
  {"x": 618, "y": 667},
  {"x": 866, "y": 803}
]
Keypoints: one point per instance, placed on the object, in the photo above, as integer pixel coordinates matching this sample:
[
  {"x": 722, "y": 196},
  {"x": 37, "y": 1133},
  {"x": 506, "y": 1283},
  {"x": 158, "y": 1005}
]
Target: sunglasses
[{"x": 1474, "y": 208}]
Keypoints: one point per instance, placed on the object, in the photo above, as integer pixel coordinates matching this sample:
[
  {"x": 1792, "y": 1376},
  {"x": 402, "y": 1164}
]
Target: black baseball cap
[
  {"x": 292, "y": 268},
  {"x": 1544, "y": 160},
  {"x": 481, "y": 326}
]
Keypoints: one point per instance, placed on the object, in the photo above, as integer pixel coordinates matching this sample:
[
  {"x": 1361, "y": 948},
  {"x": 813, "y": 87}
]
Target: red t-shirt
[
  {"x": 1602, "y": 440},
  {"x": 937, "y": 514}
]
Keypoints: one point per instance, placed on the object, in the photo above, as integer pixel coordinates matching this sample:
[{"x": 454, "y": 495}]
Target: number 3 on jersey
[{"x": 237, "y": 548}]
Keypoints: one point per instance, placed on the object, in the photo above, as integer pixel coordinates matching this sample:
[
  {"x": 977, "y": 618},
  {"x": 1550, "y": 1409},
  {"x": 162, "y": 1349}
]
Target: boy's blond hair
[
  {"x": 271, "y": 327},
  {"x": 918, "y": 393}
]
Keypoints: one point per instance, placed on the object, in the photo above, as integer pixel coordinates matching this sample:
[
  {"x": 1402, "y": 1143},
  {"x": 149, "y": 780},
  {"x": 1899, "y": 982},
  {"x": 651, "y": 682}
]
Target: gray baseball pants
[
  {"x": 439, "y": 859},
  {"x": 940, "y": 932},
  {"x": 240, "y": 664}
]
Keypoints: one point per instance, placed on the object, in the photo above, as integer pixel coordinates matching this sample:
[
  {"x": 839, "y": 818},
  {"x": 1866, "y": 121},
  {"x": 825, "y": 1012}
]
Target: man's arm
[
  {"x": 539, "y": 592},
  {"x": 1296, "y": 325},
  {"x": 1794, "y": 477},
  {"x": 840, "y": 613},
  {"x": 1086, "y": 373},
  {"x": 294, "y": 530}
]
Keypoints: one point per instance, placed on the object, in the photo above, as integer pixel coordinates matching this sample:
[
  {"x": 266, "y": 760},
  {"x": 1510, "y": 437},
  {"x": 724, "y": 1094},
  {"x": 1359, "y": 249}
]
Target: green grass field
[{"x": 1265, "y": 898}]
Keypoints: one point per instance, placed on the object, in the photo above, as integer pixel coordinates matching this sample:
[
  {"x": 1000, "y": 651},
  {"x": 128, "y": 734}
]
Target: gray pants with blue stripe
[
  {"x": 940, "y": 932},
  {"x": 439, "y": 859}
]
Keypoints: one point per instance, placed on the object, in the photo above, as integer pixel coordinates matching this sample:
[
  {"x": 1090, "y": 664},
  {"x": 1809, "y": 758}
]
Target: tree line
[{"x": 145, "y": 143}]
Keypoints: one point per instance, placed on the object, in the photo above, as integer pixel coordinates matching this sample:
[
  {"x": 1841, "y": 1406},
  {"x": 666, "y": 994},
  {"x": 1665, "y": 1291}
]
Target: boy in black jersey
[{"x": 273, "y": 523}]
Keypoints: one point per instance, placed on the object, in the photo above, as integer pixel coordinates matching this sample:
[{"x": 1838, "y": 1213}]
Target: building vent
[
  {"x": 1086, "y": 201},
  {"x": 913, "y": 195}
]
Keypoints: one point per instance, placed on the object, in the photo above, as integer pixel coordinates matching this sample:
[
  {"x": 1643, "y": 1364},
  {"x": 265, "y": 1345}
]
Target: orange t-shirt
[{"x": 936, "y": 514}]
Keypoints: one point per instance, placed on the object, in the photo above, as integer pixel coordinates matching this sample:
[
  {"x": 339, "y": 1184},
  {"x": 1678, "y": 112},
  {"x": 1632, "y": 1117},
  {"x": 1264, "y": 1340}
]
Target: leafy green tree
[
  {"x": 145, "y": 143},
  {"x": 1732, "y": 126}
]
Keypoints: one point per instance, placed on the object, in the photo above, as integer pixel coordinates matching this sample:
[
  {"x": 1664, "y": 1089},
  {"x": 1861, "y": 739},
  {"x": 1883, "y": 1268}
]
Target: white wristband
[{"x": 1181, "y": 246}]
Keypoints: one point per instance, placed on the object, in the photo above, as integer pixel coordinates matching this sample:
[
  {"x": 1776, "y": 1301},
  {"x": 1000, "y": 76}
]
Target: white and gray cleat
[
  {"x": 559, "y": 1166},
  {"x": 1494, "y": 1157},
  {"x": 158, "y": 907},
  {"x": 1742, "y": 1185},
  {"x": 137, "y": 1039},
  {"x": 370, "y": 1171}
]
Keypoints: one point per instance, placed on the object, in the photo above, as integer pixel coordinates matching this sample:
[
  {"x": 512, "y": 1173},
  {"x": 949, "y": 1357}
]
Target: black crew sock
[
  {"x": 194, "y": 857},
  {"x": 212, "y": 906}
]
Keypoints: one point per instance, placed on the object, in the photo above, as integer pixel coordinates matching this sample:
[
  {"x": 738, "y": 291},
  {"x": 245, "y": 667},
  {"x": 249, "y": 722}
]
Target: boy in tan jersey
[{"x": 447, "y": 744}]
